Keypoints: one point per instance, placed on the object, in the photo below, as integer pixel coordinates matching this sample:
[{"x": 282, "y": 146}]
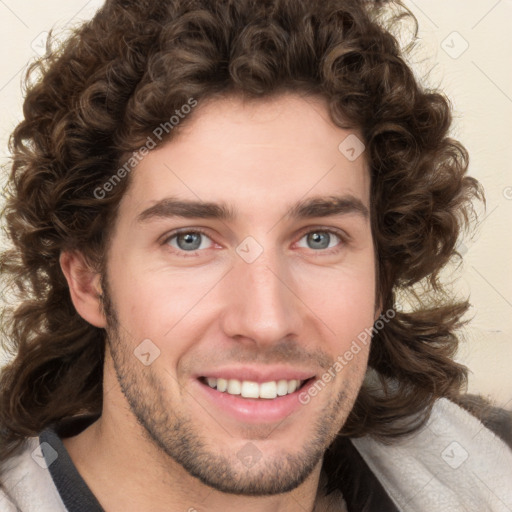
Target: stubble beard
[{"x": 176, "y": 435}]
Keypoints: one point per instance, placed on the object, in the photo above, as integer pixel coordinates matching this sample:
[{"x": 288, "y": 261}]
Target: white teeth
[
  {"x": 268, "y": 390},
  {"x": 234, "y": 387},
  {"x": 292, "y": 386},
  {"x": 250, "y": 389},
  {"x": 282, "y": 387},
  {"x": 222, "y": 385}
]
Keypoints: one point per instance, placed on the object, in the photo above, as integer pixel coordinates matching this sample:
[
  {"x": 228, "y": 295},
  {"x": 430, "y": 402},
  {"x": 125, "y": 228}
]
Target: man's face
[{"x": 256, "y": 301}]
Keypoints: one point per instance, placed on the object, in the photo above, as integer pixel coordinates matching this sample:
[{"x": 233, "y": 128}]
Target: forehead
[{"x": 254, "y": 154}]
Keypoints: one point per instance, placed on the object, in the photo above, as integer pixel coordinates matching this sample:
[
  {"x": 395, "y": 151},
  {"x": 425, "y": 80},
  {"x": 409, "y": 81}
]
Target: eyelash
[{"x": 187, "y": 254}]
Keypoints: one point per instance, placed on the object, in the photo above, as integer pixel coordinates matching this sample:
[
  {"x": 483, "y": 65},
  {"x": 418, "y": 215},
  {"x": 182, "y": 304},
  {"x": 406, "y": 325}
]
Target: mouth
[
  {"x": 269, "y": 390},
  {"x": 251, "y": 402}
]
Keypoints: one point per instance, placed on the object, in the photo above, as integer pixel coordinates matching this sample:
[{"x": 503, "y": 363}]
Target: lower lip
[{"x": 254, "y": 410}]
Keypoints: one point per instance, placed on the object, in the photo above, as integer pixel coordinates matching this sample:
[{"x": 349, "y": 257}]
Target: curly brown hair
[{"x": 97, "y": 97}]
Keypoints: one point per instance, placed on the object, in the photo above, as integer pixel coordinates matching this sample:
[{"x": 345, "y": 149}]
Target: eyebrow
[{"x": 304, "y": 209}]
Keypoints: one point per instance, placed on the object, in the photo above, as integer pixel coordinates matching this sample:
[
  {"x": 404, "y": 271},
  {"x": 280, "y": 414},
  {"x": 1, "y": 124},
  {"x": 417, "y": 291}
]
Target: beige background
[{"x": 466, "y": 46}]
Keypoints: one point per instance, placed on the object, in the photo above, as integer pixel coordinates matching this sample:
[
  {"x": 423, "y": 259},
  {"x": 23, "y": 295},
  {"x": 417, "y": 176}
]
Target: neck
[{"x": 129, "y": 472}]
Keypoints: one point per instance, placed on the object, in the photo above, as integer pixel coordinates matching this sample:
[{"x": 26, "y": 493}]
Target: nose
[{"x": 262, "y": 302}]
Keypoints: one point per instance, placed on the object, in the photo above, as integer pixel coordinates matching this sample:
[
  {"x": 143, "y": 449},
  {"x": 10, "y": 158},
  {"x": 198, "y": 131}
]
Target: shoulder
[
  {"x": 496, "y": 419},
  {"x": 6, "y": 505},
  {"x": 26, "y": 482},
  {"x": 454, "y": 462}
]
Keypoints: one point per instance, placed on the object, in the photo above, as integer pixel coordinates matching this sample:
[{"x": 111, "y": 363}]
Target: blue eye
[
  {"x": 188, "y": 241},
  {"x": 321, "y": 239}
]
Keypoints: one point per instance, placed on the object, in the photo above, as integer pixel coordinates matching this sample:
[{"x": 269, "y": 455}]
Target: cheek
[
  {"x": 346, "y": 303},
  {"x": 349, "y": 314},
  {"x": 165, "y": 307}
]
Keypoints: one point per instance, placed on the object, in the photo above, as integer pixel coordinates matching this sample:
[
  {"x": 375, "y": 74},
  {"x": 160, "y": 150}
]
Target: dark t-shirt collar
[{"x": 74, "y": 492}]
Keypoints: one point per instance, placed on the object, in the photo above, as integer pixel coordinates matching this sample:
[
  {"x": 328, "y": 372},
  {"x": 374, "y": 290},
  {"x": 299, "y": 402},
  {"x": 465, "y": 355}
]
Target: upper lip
[{"x": 258, "y": 374}]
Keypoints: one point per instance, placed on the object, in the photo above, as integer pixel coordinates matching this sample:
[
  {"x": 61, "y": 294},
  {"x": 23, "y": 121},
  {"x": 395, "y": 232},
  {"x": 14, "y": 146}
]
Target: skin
[{"x": 160, "y": 443}]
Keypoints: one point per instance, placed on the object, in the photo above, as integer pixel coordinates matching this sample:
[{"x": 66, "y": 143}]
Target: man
[{"x": 266, "y": 367}]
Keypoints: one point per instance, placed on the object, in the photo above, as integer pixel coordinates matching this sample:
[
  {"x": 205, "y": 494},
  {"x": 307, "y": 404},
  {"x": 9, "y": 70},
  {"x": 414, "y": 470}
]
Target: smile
[{"x": 250, "y": 389}]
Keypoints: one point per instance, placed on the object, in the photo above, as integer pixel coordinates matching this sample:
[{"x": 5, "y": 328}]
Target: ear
[{"x": 84, "y": 287}]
